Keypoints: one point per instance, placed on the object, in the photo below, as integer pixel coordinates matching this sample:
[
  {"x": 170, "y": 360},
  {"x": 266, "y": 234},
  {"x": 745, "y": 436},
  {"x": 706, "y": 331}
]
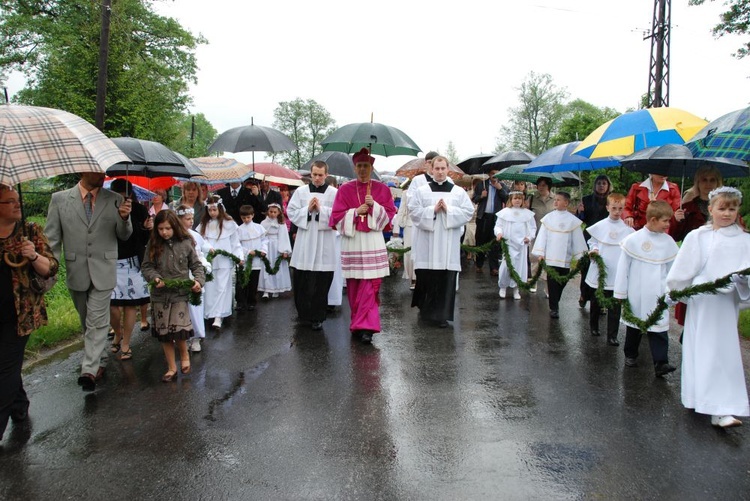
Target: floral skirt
[
  {"x": 171, "y": 321},
  {"x": 131, "y": 289}
]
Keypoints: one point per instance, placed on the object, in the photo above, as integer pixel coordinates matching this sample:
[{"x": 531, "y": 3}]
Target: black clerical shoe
[
  {"x": 595, "y": 332},
  {"x": 316, "y": 326},
  {"x": 366, "y": 337},
  {"x": 443, "y": 324},
  {"x": 612, "y": 341},
  {"x": 663, "y": 368},
  {"x": 19, "y": 415},
  {"x": 554, "y": 314},
  {"x": 631, "y": 362}
]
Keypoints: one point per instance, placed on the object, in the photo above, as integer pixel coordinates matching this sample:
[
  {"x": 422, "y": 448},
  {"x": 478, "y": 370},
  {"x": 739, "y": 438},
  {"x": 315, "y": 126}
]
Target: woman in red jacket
[{"x": 656, "y": 187}]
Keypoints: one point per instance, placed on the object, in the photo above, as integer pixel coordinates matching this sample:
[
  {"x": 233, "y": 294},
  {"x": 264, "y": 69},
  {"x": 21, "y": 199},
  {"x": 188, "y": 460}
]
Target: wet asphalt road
[{"x": 506, "y": 404}]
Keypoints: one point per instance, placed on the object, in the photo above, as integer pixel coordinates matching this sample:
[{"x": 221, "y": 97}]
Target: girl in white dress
[
  {"x": 517, "y": 226},
  {"x": 220, "y": 232},
  {"x": 713, "y": 378},
  {"x": 278, "y": 245},
  {"x": 186, "y": 214}
]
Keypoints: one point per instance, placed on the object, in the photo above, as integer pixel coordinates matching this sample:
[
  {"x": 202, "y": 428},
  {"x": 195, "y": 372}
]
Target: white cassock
[
  {"x": 314, "y": 247},
  {"x": 713, "y": 378},
  {"x": 437, "y": 245},
  {"x": 560, "y": 239},
  {"x": 606, "y": 236},
  {"x": 252, "y": 238},
  {"x": 219, "y": 295},
  {"x": 336, "y": 292},
  {"x": 278, "y": 243},
  {"x": 196, "y": 312},
  {"x": 402, "y": 220},
  {"x": 515, "y": 224},
  {"x": 641, "y": 275}
]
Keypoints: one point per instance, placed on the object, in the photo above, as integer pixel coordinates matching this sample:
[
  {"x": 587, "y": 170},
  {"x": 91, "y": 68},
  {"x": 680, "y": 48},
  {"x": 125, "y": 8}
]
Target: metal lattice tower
[{"x": 658, "y": 75}]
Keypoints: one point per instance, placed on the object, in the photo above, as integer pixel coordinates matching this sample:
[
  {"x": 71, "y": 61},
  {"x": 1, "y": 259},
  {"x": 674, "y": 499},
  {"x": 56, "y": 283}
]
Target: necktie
[
  {"x": 87, "y": 207},
  {"x": 488, "y": 209},
  {"x": 234, "y": 193}
]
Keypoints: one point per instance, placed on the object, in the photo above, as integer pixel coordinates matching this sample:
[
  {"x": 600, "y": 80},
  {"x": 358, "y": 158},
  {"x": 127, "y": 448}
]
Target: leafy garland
[
  {"x": 607, "y": 302},
  {"x": 180, "y": 285}
]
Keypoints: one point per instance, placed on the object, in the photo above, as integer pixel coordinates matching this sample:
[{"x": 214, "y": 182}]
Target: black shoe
[
  {"x": 20, "y": 415},
  {"x": 631, "y": 362},
  {"x": 316, "y": 326},
  {"x": 612, "y": 341},
  {"x": 366, "y": 337},
  {"x": 87, "y": 382},
  {"x": 554, "y": 314},
  {"x": 582, "y": 302},
  {"x": 443, "y": 324},
  {"x": 595, "y": 332},
  {"x": 663, "y": 368}
]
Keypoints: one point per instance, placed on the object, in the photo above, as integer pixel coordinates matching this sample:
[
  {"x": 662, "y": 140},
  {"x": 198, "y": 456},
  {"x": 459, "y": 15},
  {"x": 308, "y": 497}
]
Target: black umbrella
[
  {"x": 473, "y": 164},
  {"x": 677, "y": 160},
  {"x": 151, "y": 159},
  {"x": 252, "y": 138},
  {"x": 506, "y": 159},
  {"x": 339, "y": 164}
]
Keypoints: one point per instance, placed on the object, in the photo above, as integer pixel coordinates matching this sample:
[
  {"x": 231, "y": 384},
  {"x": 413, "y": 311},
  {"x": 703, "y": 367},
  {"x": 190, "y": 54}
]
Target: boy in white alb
[
  {"x": 560, "y": 240},
  {"x": 646, "y": 258},
  {"x": 252, "y": 238},
  {"x": 606, "y": 236}
]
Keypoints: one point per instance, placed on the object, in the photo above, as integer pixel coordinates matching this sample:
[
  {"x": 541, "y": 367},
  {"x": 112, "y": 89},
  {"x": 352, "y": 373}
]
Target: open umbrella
[
  {"x": 44, "y": 142},
  {"x": 380, "y": 139},
  {"x": 151, "y": 159},
  {"x": 520, "y": 173},
  {"x": 275, "y": 173},
  {"x": 252, "y": 138},
  {"x": 727, "y": 136},
  {"x": 677, "y": 160},
  {"x": 419, "y": 166},
  {"x": 640, "y": 129},
  {"x": 221, "y": 170},
  {"x": 151, "y": 184},
  {"x": 561, "y": 158},
  {"x": 472, "y": 165},
  {"x": 505, "y": 159},
  {"x": 141, "y": 194}
]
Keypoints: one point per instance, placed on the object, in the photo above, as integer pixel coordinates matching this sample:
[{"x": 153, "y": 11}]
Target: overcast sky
[{"x": 445, "y": 72}]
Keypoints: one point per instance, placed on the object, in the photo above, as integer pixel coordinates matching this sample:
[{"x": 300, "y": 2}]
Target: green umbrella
[
  {"x": 519, "y": 173},
  {"x": 380, "y": 139}
]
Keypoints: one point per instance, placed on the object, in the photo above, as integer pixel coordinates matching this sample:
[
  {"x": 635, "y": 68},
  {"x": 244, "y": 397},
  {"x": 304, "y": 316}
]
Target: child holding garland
[
  {"x": 516, "y": 225},
  {"x": 252, "y": 238},
  {"x": 278, "y": 244}
]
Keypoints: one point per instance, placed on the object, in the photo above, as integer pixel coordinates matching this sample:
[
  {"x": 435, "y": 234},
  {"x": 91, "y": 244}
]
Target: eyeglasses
[{"x": 11, "y": 202}]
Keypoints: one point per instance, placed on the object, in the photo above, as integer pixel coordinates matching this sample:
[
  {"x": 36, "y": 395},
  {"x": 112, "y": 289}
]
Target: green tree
[
  {"x": 151, "y": 62},
  {"x": 536, "y": 119},
  {"x": 579, "y": 120},
  {"x": 734, "y": 21},
  {"x": 307, "y": 123},
  {"x": 194, "y": 141},
  {"x": 451, "y": 153}
]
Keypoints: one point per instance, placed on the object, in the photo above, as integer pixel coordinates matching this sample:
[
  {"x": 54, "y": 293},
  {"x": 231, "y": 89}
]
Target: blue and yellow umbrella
[{"x": 636, "y": 130}]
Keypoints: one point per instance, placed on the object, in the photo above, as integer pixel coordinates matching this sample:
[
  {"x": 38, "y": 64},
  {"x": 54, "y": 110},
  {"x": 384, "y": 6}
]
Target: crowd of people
[{"x": 248, "y": 241}]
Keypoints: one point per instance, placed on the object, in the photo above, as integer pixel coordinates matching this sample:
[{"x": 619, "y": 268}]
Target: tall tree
[
  {"x": 579, "y": 120},
  {"x": 307, "y": 123},
  {"x": 451, "y": 154},
  {"x": 55, "y": 43},
  {"x": 537, "y": 117},
  {"x": 194, "y": 140},
  {"x": 734, "y": 21}
]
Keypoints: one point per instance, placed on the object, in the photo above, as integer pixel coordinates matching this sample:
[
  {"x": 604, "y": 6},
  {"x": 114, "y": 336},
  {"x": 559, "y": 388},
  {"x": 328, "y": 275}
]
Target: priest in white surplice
[
  {"x": 314, "y": 258},
  {"x": 440, "y": 210},
  {"x": 560, "y": 240},
  {"x": 713, "y": 377}
]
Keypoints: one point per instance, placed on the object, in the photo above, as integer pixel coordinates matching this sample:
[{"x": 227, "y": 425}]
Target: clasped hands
[{"x": 441, "y": 206}]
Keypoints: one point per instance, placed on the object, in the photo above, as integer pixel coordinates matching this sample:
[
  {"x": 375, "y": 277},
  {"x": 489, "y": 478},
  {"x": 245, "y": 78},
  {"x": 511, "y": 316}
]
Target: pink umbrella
[{"x": 276, "y": 173}]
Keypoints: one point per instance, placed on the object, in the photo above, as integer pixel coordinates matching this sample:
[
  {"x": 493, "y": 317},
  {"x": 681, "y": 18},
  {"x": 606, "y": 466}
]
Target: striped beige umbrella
[
  {"x": 44, "y": 142},
  {"x": 218, "y": 170},
  {"x": 419, "y": 166}
]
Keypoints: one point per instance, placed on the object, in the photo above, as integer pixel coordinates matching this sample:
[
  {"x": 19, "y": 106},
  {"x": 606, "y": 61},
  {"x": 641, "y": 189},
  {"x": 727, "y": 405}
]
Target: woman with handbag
[{"x": 26, "y": 268}]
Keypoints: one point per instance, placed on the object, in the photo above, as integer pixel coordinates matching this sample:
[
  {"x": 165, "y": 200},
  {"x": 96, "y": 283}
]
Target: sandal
[
  {"x": 115, "y": 347},
  {"x": 127, "y": 355},
  {"x": 169, "y": 377},
  {"x": 186, "y": 369},
  {"x": 145, "y": 327}
]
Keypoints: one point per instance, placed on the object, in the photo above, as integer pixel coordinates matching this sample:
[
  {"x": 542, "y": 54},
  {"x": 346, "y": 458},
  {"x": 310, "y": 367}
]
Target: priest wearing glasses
[{"x": 363, "y": 208}]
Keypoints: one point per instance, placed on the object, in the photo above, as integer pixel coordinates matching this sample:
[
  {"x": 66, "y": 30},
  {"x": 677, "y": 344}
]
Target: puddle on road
[{"x": 226, "y": 399}]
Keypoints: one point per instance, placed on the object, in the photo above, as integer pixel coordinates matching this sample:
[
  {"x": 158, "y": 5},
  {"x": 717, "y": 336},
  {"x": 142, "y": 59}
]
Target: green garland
[{"x": 179, "y": 285}]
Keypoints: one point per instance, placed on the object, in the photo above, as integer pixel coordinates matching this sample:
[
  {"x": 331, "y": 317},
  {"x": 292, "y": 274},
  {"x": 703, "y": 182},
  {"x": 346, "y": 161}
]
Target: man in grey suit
[{"x": 86, "y": 221}]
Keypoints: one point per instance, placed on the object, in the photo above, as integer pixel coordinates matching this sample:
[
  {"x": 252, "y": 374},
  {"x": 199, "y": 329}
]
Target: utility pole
[
  {"x": 101, "y": 81},
  {"x": 658, "y": 75}
]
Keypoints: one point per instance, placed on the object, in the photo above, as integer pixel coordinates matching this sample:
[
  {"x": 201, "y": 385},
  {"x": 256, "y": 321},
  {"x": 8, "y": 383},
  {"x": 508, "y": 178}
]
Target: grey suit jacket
[{"x": 90, "y": 248}]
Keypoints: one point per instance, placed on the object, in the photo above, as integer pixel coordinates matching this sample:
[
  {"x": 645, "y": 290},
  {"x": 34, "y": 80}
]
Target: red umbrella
[
  {"x": 153, "y": 183},
  {"x": 276, "y": 173}
]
